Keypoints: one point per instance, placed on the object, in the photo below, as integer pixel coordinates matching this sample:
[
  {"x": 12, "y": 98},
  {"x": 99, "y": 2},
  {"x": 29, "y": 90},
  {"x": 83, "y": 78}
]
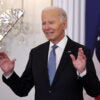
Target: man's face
[{"x": 52, "y": 25}]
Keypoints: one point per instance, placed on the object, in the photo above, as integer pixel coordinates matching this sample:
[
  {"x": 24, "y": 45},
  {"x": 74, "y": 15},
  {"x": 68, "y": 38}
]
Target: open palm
[{"x": 79, "y": 62}]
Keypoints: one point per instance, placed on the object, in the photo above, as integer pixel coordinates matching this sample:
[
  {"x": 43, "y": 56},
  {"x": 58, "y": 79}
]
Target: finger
[
  {"x": 13, "y": 61},
  {"x": 3, "y": 55},
  {"x": 72, "y": 57},
  {"x": 83, "y": 56},
  {"x": 80, "y": 53},
  {"x": 4, "y": 61}
]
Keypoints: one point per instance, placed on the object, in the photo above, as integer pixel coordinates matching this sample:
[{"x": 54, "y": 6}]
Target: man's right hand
[{"x": 6, "y": 64}]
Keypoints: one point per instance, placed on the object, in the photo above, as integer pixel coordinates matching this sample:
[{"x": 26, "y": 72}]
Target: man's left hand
[{"x": 79, "y": 62}]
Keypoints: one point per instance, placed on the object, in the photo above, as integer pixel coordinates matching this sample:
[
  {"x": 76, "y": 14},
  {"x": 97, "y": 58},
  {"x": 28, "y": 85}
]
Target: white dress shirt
[{"x": 59, "y": 50}]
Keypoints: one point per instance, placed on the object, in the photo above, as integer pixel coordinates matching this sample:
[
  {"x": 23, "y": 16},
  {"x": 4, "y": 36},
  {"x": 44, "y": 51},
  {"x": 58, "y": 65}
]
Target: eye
[
  {"x": 43, "y": 23},
  {"x": 51, "y": 22}
]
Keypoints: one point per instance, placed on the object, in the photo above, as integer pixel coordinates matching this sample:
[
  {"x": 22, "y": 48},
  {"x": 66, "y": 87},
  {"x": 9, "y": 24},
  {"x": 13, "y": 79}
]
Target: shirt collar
[{"x": 61, "y": 44}]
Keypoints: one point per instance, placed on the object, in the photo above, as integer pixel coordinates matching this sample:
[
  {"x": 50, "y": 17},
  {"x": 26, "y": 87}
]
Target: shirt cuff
[
  {"x": 82, "y": 74},
  {"x": 8, "y": 75}
]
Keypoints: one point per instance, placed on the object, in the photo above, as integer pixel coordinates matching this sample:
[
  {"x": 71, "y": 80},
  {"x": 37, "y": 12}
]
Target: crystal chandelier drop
[{"x": 8, "y": 19}]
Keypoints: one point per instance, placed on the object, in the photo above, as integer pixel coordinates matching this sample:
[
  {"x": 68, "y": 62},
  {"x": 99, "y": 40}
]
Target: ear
[{"x": 65, "y": 25}]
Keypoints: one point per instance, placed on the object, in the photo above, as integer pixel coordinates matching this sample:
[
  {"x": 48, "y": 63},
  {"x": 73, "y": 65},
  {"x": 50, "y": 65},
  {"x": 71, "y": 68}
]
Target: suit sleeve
[
  {"x": 21, "y": 85},
  {"x": 90, "y": 81}
]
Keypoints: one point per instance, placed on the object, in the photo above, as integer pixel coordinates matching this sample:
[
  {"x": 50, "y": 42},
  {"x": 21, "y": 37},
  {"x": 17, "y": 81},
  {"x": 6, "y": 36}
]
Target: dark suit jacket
[{"x": 66, "y": 85}]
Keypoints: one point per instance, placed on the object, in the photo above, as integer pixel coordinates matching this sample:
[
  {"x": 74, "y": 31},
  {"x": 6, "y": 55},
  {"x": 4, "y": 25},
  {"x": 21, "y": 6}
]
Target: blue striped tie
[{"x": 52, "y": 64}]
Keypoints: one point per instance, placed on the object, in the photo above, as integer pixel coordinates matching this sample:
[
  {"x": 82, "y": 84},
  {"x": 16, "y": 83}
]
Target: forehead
[{"x": 51, "y": 13}]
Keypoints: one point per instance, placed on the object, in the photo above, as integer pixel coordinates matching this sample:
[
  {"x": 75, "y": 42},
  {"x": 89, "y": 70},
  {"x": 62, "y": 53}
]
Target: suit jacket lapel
[{"x": 44, "y": 62}]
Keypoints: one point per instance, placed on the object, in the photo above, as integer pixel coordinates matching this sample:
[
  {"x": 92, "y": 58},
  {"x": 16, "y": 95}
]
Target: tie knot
[{"x": 54, "y": 47}]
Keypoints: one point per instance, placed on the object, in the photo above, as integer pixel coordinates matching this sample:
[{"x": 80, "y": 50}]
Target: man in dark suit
[{"x": 73, "y": 63}]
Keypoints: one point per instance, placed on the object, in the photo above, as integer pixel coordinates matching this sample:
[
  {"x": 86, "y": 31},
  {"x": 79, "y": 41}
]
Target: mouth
[{"x": 49, "y": 33}]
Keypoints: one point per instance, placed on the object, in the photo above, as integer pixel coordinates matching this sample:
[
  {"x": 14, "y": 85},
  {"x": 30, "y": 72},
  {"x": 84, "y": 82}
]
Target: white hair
[{"x": 62, "y": 13}]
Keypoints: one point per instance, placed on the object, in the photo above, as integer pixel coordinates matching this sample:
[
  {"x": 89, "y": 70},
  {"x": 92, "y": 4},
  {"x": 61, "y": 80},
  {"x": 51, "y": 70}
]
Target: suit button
[{"x": 50, "y": 91}]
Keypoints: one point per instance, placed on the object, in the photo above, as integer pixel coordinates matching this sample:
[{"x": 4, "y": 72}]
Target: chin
[{"x": 50, "y": 38}]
